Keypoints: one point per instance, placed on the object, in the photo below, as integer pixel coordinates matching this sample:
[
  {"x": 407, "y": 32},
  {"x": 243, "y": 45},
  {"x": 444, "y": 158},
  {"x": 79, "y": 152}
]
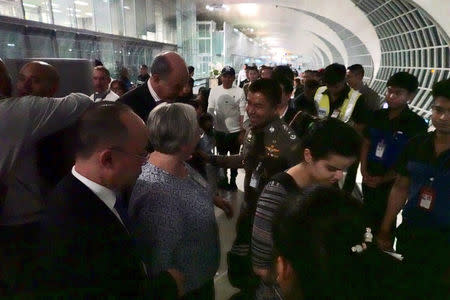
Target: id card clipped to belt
[{"x": 427, "y": 196}]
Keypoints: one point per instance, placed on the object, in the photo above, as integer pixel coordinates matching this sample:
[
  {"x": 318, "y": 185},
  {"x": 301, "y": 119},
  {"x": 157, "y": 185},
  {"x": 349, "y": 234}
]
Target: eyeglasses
[{"x": 141, "y": 157}]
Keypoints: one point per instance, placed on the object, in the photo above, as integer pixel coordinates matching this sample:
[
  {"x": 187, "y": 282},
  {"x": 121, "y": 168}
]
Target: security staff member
[
  {"x": 423, "y": 178},
  {"x": 338, "y": 100},
  {"x": 385, "y": 136},
  {"x": 269, "y": 147}
]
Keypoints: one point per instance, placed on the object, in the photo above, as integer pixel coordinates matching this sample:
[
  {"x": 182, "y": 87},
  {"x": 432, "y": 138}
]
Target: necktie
[{"x": 121, "y": 207}]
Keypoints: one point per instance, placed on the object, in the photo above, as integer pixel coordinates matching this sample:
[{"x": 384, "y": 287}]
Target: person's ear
[
  {"x": 105, "y": 158},
  {"x": 307, "y": 156}
]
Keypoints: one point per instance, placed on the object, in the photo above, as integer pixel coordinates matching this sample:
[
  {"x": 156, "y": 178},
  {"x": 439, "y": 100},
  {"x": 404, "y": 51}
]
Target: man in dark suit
[
  {"x": 169, "y": 75},
  {"x": 86, "y": 247}
]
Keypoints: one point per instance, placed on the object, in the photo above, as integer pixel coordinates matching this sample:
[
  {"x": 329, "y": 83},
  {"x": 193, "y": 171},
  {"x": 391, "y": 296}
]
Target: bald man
[
  {"x": 37, "y": 78},
  {"x": 25, "y": 120},
  {"x": 169, "y": 75}
]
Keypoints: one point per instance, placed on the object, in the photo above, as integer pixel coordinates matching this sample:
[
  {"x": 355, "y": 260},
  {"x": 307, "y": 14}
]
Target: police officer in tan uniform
[{"x": 269, "y": 147}]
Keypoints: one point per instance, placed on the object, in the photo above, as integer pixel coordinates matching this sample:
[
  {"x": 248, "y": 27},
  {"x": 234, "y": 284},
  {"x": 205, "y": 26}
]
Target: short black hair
[
  {"x": 332, "y": 136},
  {"x": 315, "y": 232},
  {"x": 404, "y": 80},
  {"x": 191, "y": 69},
  {"x": 269, "y": 88},
  {"x": 283, "y": 72},
  {"x": 441, "y": 89},
  {"x": 334, "y": 73},
  {"x": 204, "y": 118},
  {"x": 100, "y": 125},
  {"x": 144, "y": 66},
  {"x": 357, "y": 69},
  {"x": 253, "y": 67},
  {"x": 121, "y": 84},
  {"x": 287, "y": 85}
]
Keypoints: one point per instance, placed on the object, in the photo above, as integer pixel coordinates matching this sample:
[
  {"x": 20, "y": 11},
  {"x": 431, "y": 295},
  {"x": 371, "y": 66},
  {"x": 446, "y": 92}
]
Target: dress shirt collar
[
  {"x": 106, "y": 195},
  {"x": 152, "y": 92},
  {"x": 285, "y": 111}
]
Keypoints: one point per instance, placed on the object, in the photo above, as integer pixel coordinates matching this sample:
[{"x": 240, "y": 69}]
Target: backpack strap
[{"x": 287, "y": 182}]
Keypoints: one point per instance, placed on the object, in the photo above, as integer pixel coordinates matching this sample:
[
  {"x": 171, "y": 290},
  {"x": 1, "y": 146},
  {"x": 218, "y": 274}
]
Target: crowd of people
[{"x": 113, "y": 194}]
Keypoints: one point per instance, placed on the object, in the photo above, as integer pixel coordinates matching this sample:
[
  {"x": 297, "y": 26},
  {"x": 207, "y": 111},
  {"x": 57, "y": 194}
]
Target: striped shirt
[{"x": 272, "y": 197}]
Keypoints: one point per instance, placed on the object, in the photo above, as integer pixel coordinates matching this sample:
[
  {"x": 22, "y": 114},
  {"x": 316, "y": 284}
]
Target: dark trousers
[
  {"x": 205, "y": 292},
  {"x": 18, "y": 245},
  {"x": 426, "y": 261},
  {"x": 350, "y": 178},
  {"x": 228, "y": 142},
  {"x": 375, "y": 202}
]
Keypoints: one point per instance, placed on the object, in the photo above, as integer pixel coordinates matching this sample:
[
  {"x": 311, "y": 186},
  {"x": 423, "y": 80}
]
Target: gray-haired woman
[{"x": 172, "y": 205}]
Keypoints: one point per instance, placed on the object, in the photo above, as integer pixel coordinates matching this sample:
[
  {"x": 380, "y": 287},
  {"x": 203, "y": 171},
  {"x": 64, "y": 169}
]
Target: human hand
[
  {"x": 179, "y": 279},
  {"x": 223, "y": 204},
  {"x": 384, "y": 241}
]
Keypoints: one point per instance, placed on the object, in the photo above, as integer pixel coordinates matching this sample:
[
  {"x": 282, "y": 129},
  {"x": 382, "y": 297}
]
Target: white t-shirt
[{"x": 227, "y": 106}]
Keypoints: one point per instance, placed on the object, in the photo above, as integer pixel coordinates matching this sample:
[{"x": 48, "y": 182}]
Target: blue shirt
[{"x": 420, "y": 163}]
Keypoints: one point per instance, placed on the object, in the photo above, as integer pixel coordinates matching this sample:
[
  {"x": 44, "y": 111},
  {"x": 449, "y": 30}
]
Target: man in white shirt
[
  {"x": 242, "y": 75},
  {"x": 101, "y": 78},
  {"x": 227, "y": 104}
]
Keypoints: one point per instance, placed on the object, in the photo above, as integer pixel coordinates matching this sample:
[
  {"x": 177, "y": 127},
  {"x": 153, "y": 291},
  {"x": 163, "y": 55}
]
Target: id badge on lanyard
[
  {"x": 427, "y": 196},
  {"x": 379, "y": 151}
]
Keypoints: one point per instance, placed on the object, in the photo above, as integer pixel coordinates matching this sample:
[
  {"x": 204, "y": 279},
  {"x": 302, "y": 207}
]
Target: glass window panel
[
  {"x": 11, "y": 8},
  {"x": 107, "y": 54},
  {"x": 67, "y": 45},
  {"x": 141, "y": 19},
  {"x": 65, "y": 13},
  {"x": 12, "y": 43},
  {"x": 129, "y": 18},
  {"x": 37, "y": 10},
  {"x": 102, "y": 16},
  {"x": 84, "y": 14},
  {"x": 41, "y": 44},
  {"x": 88, "y": 47},
  {"x": 116, "y": 16}
]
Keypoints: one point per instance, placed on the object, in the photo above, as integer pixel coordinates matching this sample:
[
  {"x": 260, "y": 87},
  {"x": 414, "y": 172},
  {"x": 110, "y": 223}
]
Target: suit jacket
[
  {"x": 86, "y": 251},
  {"x": 140, "y": 100}
]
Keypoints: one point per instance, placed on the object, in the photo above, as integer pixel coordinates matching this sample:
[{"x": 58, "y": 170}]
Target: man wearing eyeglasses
[
  {"x": 86, "y": 247},
  {"x": 423, "y": 179}
]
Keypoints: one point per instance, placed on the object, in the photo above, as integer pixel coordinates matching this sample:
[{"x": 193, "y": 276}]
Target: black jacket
[
  {"x": 86, "y": 251},
  {"x": 140, "y": 100}
]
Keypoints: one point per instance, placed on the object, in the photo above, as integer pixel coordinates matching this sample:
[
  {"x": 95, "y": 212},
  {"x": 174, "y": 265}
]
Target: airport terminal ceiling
[{"x": 385, "y": 36}]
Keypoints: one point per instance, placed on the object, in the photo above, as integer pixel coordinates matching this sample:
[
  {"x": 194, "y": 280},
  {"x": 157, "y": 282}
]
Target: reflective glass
[
  {"x": 102, "y": 16},
  {"x": 11, "y": 8},
  {"x": 129, "y": 18},
  {"x": 65, "y": 13},
  {"x": 37, "y": 10},
  {"x": 84, "y": 14}
]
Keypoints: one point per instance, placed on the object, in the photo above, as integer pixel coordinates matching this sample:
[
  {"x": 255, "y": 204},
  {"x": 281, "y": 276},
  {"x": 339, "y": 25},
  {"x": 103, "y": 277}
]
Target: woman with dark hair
[
  {"x": 329, "y": 147},
  {"x": 324, "y": 251}
]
